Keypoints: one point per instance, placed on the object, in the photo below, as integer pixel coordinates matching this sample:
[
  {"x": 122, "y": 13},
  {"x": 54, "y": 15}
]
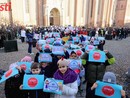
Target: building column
[
  {"x": 100, "y": 13},
  {"x": 86, "y": 12},
  {"x": 68, "y": 13},
  {"x": 112, "y": 14},
  {"x": 75, "y": 12},
  {"x": 105, "y": 7},
  {"x": 40, "y": 3},
  {"x": 45, "y": 13},
  {"x": 89, "y": 13},
  {"x": 109, "y": 13},
  {"x": 82, "y": 14},
  {"x": 61, "y": 13},
  {"x": 10, "y": 15},
  {"x": 96, "y": 12},
  {"x": 39, "y": 12}
]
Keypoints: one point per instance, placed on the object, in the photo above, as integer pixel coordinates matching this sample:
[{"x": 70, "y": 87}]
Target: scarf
[{"x": 69, "y": 77}]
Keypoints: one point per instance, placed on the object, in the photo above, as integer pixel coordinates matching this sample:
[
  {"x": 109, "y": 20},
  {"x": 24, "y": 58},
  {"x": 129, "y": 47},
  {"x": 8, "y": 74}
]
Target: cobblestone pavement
[{"x": 120, "y": 50}]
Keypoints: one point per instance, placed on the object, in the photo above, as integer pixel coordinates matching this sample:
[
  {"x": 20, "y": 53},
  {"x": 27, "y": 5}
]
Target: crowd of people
[
  {"x": 8, "y": 32},
  {"x": 59, "y": 48}
]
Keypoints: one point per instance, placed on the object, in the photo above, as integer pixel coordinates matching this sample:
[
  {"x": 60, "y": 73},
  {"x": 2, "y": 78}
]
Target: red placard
[
  {"x": 32, "y": 82},
  {"x": 108, "y": 90},
  {"x": 96, "y": 56},
  {"x": 78, "y": 52},
  {"x": 8, "y": 73},
  {"x": 47, "y": 46}
]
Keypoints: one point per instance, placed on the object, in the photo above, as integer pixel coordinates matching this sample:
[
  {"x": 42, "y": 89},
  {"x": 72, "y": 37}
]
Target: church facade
[{"x": 89, "y": 13}]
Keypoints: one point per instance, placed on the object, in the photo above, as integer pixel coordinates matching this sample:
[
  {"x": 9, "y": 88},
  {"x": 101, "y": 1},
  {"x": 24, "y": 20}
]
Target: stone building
[
  {"x": 90, "y": 13},
  {"x": 122, "y": 14}
]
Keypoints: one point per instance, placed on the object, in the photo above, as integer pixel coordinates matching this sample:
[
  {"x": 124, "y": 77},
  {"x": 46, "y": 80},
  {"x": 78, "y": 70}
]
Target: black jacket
[
  {"x": 38, "y": 94},
  {"x": 95, "y": 70},
  {"x": 12, "y": 87},
  {"x": 15, "y": 81}
]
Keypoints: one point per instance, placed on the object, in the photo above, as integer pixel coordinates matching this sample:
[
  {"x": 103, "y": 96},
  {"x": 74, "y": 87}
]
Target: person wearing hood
[
  {"x": 108, "y": 77},
  {"x": 70, "y": 87}
]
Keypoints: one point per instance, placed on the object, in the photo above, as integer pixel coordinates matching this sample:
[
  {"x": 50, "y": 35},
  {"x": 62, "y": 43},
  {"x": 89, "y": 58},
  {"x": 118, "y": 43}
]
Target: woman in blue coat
[{"x": 29, "y": 35}]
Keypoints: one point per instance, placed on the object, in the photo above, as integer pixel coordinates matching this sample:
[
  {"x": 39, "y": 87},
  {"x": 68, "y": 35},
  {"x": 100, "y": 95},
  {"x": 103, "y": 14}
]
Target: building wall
[
  {"x": 17, "y": 11},
  {"x": 19, "y": 14},
  {"x": 120, "y": 12},
  {"x": 90, "y": 13},
  {"x": 127, "y": 14},
  {"x": 49, "y": 5},
  {"x": 4, "y": 15},
  {"x": 112, "y": 13}
]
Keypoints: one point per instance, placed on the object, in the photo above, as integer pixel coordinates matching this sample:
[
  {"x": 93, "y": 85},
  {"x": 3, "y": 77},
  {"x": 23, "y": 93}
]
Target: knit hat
[
  {"x": 109, "y": 77},
  {"x": 63, "y": 62},
  {"x": 26, "y": 59}
]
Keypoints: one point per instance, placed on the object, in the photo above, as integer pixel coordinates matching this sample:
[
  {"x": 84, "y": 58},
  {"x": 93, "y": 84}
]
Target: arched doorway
[{"x": 54, "y": 17}]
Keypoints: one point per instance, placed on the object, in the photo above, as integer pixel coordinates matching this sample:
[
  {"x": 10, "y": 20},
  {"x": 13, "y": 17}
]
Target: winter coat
[
  {"x": 69, "y": 90},
  {"x": 70, "y": 86},
  {"x": 47, "y": 71},
  {"x": 36, "y": 57},
  {"x": 95, "y": 70},
  {"x": 29, "y": 37},
  {"x": 12, "y": 87},
  {"x": 38, "y": 94},
  {"x": 15, "y": 81}
]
